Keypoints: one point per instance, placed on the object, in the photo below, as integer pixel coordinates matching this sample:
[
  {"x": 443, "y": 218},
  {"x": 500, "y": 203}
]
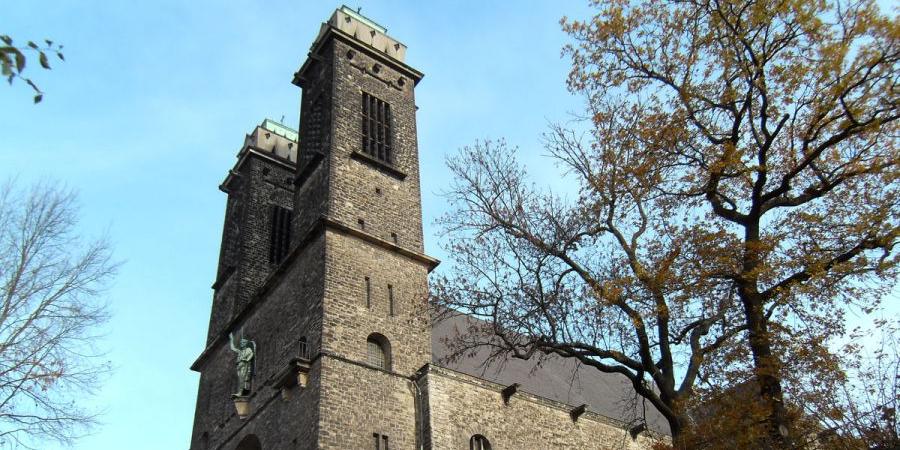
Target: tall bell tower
[{"x": 324, "y": 269}]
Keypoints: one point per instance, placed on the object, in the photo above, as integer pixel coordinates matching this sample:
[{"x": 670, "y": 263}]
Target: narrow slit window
[
  {"x": 376, "y": 128},
  {"x": 391, "y": 300},
  {"x": 368, "y": 293},
  {"x": 280, "y": 235}
]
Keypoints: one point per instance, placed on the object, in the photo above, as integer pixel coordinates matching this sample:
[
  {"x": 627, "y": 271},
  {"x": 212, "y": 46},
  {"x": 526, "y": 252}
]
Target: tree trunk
[
  {"x": 677, "y": 426},
  {"x": 767, "y": 373},
  {"x": 766, "y": 366}
]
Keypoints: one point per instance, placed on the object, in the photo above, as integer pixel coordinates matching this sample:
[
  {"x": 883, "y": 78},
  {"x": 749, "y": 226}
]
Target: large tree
[
  {"x": 50, "y": 311},
  {"x": 737, "y": 193}
]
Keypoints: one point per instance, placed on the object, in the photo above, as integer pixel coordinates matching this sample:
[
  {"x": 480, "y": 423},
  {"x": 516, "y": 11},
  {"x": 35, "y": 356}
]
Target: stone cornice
[
  {"x": 257, "y": 152},
  {"x": 428, "y": 261},
  {"x": 403, "y": 68}
]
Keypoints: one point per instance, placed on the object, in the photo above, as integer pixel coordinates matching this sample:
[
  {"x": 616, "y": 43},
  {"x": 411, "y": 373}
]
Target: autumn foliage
[{"x": 738, "y": 197}]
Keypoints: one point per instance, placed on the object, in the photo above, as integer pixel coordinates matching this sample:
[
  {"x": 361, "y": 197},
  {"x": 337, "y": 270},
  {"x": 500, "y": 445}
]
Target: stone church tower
[
  {"x": 319, "y": 335},
  {"x": 322, "y": 262}
]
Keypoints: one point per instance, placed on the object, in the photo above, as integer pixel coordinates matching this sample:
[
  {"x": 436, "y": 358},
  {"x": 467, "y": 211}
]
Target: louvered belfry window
[
  {"x": 313, "y": 127},
  {"x": 376, "y": 129},
  {"x": 280, "y": 237}
]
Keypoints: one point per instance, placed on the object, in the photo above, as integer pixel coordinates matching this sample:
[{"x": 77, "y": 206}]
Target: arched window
[
  {"x": 479, "y": 442},
  {"x": 250, "y": 442},
  {"x": 379, "y": 351}
]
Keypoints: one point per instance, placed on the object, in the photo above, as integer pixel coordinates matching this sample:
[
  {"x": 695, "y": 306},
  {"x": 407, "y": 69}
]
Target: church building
[{"x": 320, "y": 336}]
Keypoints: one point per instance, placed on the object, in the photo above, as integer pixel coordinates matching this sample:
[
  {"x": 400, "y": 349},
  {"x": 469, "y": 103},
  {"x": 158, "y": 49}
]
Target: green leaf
[
  {"x": 33, "y": 86},
  {"x": 49, "y": 42},
  {"x": 32, "y": 45},
  {"x": 60, "y": 56},
  {"x": 44, "y": 62},
  {"x": 10, "y": 78},
  {"x": 38, "y": 98},
  {"x": 20, "y": 62},
  {"x": 6, "y": 39}
]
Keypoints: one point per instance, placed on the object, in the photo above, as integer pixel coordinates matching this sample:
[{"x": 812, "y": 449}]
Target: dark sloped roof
[{"x": 560, "y": 379}]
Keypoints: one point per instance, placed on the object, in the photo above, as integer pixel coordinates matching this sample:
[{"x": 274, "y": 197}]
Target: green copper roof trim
[
  {"x": 346, "y": 10},
  {"x": 280, "y": 129}
]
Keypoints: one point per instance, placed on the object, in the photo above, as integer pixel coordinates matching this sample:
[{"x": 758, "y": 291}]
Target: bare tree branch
[{"x": 50, "y": 281}]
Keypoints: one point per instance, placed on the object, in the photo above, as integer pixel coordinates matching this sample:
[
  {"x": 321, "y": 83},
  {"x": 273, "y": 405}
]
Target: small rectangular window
[
  {"x": 280, "y": 234},
  {"x": 376, "y": 128},
  {"x": 368, "y": 293}
]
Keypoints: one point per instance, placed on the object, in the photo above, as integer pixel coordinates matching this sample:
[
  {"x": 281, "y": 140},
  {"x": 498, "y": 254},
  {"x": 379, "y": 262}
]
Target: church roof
[{"x": 555, "y": 378}]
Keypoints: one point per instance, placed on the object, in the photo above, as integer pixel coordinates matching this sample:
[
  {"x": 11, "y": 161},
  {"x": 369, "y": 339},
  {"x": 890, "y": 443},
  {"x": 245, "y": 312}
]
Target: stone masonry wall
[
  {"x": 228, "y": 251},
  {"x": 280, "y": 421},
  {"x": 461, "y": 406},
  {"x": 225, "y": 286},
  {"x": 312, "y": 189},
  {"x": 290, "y": 309},
  {"x": 348, "y": 321},
  {"x": 244, "y": 257},
  {"x": 387, "y": 201},
  {"x": 267, "y": 184},
  {"x": 222, "y": 305},
  {"x": 358, "y": 401}
]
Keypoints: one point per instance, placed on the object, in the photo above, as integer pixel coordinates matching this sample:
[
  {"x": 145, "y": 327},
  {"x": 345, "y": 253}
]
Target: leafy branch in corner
[{"x": 13, "y": 60}]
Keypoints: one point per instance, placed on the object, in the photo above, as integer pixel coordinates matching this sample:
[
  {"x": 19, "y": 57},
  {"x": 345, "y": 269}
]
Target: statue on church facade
[{"x": 246, "y": 352}]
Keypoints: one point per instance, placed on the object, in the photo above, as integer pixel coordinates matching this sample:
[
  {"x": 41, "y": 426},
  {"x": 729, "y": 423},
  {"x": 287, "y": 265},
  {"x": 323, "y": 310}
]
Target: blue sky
[{"x": 146, "y": 115}]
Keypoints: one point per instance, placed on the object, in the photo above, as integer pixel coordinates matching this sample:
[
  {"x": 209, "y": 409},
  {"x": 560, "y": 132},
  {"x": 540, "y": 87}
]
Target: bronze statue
[{"x": 246, "y": 352}]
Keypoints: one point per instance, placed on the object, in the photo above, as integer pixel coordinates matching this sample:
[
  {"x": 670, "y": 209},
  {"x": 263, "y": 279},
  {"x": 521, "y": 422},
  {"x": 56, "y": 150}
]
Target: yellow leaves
[
  {"x": 614, "y": 22},
  {"x": 611, "y": 292},
  {"x": 687, "y": 94}
]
